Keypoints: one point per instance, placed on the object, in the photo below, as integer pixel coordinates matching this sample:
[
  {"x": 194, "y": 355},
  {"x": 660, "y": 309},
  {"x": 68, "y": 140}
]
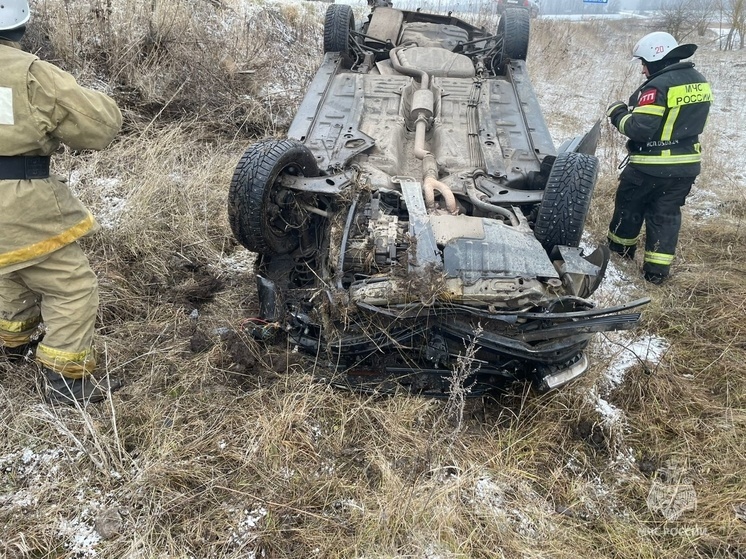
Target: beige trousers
[{"x": 62, "y": 291}]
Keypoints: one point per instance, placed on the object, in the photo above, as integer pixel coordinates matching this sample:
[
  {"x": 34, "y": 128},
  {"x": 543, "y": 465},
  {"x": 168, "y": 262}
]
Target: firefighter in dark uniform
[{"x": 663, "y": 120}]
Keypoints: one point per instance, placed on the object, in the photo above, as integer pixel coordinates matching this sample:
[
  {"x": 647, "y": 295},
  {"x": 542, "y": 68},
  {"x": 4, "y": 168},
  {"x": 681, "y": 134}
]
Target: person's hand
[{"x": 616, "y": 110}]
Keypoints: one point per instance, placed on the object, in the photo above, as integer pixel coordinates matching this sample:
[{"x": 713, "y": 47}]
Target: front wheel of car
[
  {"x": 566, "y": 201},
  {"x": 266, "y": 217}
]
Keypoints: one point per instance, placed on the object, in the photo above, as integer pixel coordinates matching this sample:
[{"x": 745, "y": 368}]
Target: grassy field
[{"x": 220, "y": 448}]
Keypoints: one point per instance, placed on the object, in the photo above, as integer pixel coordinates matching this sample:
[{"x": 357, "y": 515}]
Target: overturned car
[{"x": 419, "y": 222}]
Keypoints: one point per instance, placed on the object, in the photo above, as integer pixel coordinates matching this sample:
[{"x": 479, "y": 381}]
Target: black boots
[
  {"x": 657, "y": 279},
  {"x": 62, "y": 390},
  {"x": 15, "y": 353}
]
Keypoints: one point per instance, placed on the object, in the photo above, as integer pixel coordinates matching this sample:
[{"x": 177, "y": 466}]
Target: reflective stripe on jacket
[
  {"x": 666, "y": 115},
  {"x": 41, "y": 107}
]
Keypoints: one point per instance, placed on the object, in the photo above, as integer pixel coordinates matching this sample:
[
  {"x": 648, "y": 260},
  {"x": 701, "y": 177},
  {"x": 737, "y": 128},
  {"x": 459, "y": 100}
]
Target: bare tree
[
  {"x": 735, "y": 13},
  {"x": 703, "y": 12},
  {"x": 675, "y": 17},
  {"x": 682, "y": 18}
]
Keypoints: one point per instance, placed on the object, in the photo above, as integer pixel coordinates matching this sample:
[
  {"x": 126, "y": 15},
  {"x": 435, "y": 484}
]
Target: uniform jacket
[
  {"x": 664, "y": 119},
  {"x": 40, "y": 107}
]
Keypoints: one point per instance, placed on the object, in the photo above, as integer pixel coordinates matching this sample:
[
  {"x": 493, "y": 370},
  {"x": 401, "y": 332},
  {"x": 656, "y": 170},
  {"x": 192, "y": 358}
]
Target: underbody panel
[{"x": 419, "y": 213}]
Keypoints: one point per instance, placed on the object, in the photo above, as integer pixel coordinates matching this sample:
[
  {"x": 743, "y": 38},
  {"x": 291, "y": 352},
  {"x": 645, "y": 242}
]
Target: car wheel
[
  {"x": 338, "y": 24},
  {"x": 566, "y": 201},
  {"x": 264, "y": 216},
  {"x": 514, "y": 28}
]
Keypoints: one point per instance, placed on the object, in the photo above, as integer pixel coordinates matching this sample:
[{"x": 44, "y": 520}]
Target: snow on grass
[
  {"x": 29, "y": 474},
  {"x": 79, "y": 535},
  {"x": 623, "y": 349},
  {"x": 245, "y": 531},
  {"x": 703, "y": 204},
  {"x": 238, "y": 263},
  {"x": 515, "y": 504},
  {"x": 110, "y": 203},
  {"x": 610, "y": 414},
  {"x": 646, "y": 349}
]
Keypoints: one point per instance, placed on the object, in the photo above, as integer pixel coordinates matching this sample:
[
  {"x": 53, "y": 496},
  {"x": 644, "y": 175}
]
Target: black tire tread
[
  {"x": 567, "y": 200},
  {"x": 338, "y": 23},
  {"x": 515, "y": 24},
  {"x": 254, "y": 176}
]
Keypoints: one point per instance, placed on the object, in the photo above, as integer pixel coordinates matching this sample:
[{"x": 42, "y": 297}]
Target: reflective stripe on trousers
[
  {"x": 655, "y": 202},
  {"x": 62, "y": 290}
]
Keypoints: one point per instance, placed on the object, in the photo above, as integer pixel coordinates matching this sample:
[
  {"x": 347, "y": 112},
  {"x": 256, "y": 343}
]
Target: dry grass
[
  {"x": 220, "y": 448},
  {"x": 205, "y": 62}
]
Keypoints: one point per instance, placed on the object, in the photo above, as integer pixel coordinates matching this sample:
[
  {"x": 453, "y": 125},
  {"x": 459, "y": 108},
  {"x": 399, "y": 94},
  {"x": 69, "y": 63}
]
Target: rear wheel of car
[
  {"x": 514, "y": 29},
  {"x": 264, "y": 216},
  {"x": 566, "y": 201},
  {"x": 338, "y": 25}
]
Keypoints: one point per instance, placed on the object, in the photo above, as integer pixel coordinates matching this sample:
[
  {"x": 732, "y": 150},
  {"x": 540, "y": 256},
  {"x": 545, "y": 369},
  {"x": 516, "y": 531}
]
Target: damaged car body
[{"x": 418, "y": 220}]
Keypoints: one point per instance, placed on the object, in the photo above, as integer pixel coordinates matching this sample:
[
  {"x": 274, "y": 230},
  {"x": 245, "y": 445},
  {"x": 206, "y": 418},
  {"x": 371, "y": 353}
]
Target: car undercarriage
[{"x": 418, "y": 227}]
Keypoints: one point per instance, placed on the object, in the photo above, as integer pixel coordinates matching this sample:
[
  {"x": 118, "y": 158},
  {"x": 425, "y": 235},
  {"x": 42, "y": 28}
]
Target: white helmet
[
  {"x": 659, "y": 45},
  {"x": 13, "y": 14}
]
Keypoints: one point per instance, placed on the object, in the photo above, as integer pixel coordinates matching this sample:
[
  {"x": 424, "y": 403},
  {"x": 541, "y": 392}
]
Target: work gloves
[{"x": 616, "y": 111}]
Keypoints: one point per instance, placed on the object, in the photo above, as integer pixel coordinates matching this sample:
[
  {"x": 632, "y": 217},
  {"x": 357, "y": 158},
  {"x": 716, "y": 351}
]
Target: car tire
[
  {"x": 514, "y": 29},
  {"x": 261, "y": 212},
  {"x": 566, "y": 201},
  {"x": 338, "y": 25}
]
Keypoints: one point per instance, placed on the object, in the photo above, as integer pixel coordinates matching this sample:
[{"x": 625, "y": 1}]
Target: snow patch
[
  {"x": 80, "y": 535},
  {"x": 112, "y": 204},
  {"x": 245, "y": 531},
  {"x": 516, "y": 504},
  {"x": 610, "y": 413},
  {"x": 239, "y": 262},
  {"x": 647, "y": 349},
  {"x": 703, "y": 204}
]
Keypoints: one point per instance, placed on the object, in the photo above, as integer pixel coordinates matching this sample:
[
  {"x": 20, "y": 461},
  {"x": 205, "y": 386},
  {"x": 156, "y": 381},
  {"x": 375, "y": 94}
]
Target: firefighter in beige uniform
[{"x": 44, "y": 274}]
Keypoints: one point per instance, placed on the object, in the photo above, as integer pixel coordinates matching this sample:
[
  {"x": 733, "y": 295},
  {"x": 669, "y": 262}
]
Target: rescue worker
[
  {"x": 663, "y": 120},
  {"x": 44, "y": 274}
]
